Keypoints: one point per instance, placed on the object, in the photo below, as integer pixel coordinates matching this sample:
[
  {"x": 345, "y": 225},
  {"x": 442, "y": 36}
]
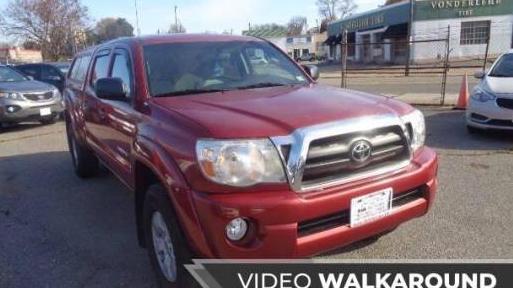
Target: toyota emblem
[{"x": 361, "y": 151}]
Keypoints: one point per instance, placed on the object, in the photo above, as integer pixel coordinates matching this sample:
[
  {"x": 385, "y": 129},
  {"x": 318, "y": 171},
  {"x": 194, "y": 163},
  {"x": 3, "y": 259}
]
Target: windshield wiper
[
  {"x": 261, "y": 85},
  {"x": 189, "y": 92}
]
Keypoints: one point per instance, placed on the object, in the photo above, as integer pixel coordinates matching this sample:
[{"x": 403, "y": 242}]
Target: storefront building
[{"x": 381, "y": 35}]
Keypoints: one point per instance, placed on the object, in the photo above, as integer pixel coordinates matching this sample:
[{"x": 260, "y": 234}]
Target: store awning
[
  {"x": 330, "y": 40},
  {"x": 396, "y": 31}
]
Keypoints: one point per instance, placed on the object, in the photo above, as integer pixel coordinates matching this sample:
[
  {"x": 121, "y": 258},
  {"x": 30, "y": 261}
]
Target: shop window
[{"x": 476, "y": 32}]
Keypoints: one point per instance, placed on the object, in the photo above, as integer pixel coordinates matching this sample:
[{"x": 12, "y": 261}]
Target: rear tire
[
  {"x": 167, "y": 246},
  {"x": 86, "y": 164}
]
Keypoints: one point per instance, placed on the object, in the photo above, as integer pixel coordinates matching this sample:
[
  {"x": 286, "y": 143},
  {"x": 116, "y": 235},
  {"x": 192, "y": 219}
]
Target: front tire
[
  {"x": 473, "y": 130},
  {"x": 166, "y": 243},
  {"x": 85, "y": 163}
]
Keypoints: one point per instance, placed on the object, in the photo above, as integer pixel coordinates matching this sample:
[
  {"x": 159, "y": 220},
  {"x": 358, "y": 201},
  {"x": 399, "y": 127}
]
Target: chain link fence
[{"x": 432, "y": 56}]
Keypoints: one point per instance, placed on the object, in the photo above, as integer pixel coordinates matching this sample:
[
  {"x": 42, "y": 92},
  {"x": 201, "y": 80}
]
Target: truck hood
[
  {"x": 277, "y": 111},
  {"x": 499, "y": 85}
]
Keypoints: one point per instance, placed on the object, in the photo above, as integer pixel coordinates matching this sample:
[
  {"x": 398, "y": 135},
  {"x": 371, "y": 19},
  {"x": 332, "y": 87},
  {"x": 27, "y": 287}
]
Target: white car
[{"x": 491, "y": 103}]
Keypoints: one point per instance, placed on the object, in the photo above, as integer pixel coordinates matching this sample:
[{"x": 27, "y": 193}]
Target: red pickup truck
[{"x": 234, "y": 158}]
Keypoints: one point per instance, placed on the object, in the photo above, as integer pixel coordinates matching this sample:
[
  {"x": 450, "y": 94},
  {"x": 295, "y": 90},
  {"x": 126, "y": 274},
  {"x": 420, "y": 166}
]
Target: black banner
[{"x": 352, "y": 274}]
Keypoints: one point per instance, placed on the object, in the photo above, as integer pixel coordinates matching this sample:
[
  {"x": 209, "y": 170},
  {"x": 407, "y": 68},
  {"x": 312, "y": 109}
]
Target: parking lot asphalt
[{"x": 57, "y": 230}]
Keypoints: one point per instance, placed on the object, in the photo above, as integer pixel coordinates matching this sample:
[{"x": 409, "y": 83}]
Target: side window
[
  {"x": 82, "y": 69},
  {"x": 30, "y": 71},
  {"x": 73, "y": 73},
  {"x": 101, "y": 66},
  {"x": 50, "y": 73},
  {"x": 122, "y": 68}
]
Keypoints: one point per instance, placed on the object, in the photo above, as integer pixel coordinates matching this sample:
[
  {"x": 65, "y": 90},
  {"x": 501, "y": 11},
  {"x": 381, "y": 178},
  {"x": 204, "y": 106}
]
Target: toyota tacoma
[{"x": 234, "y": 158}]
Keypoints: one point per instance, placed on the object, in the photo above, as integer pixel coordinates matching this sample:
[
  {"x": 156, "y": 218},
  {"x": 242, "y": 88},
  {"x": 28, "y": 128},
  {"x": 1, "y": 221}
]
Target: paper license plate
[
  {"x": 371, "y": 207},
  {"x": 45, "y": 111}
]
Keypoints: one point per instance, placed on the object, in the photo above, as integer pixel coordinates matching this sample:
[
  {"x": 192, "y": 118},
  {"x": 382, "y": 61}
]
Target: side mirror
[
  {"x": 110, "y": 89},
  {"x": 312, "y": 70},
  {"x": 479, "y": 74}
]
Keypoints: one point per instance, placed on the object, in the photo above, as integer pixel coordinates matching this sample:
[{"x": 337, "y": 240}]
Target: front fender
[{"x": 154, "y": 157}]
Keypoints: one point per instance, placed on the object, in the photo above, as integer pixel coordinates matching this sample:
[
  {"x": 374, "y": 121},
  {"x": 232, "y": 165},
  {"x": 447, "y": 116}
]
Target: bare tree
[
  {"x": 296, "y": 25},
  {"x": 334, "y": 9},
  {"x": 177, "y": 28},
  {"x": 54, "y": 25}
]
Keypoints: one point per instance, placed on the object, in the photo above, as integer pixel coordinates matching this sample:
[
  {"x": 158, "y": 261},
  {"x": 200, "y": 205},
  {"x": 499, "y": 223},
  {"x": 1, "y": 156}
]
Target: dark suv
[{"x": 43, "y": 72}]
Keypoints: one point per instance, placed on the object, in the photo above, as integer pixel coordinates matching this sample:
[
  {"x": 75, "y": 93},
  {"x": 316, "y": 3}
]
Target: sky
[{"x": 200, "y": 16}]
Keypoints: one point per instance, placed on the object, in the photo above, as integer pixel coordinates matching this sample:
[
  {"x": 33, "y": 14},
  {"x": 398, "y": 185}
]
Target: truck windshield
[
  {"x": 202, "y": 67},
  {"x": 9, "y": 75},
  {"x": 504, "y": 67}
]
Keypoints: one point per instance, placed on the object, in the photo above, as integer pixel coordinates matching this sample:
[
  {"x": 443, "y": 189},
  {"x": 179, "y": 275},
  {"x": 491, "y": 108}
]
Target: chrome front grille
[
  {"x": 324, "y": 155},
  {"x": 44, "y": 96},
  {"x": 331, "y": 158}
]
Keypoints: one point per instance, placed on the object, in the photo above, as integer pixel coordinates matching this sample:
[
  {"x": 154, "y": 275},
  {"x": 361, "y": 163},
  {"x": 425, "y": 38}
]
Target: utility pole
[
  {"x": 410, "y": 38},
  {"x": 137, "y": 19},
  {"x": 176, "y": 17},
  {"x": 343, "y": 57}
]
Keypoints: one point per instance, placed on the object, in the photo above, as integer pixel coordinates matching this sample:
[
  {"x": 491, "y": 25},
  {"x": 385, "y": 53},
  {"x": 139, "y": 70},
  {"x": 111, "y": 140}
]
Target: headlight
[
  {"x": 416, "y": 127},
  {"x": 240, "y": 163},
  {"x": 11, "y": 95},
  {"x": 482, "y": 96},
  {"x": 56, "y": 93}
]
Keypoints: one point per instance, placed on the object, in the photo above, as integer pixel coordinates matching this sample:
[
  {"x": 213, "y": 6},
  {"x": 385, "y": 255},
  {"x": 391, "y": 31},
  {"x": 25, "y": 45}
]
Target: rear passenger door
[
  {"x": 93, "y": 108},
  {"x": 72, "y": 94}
]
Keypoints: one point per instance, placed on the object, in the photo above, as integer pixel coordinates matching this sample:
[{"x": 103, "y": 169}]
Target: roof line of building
[{"x": 382, "y": 8}]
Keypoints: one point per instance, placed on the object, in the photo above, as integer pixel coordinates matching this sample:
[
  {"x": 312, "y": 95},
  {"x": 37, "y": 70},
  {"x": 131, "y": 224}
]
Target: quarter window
[{"x": 476, "y": 32}]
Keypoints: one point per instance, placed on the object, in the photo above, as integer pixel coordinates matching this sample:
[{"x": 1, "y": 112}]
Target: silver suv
[{"x": 23, "y": 99}]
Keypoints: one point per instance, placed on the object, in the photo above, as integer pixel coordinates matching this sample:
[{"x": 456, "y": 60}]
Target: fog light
[
  {"x": 12, "y": 109},
  {"x": 236, "y": 229}
]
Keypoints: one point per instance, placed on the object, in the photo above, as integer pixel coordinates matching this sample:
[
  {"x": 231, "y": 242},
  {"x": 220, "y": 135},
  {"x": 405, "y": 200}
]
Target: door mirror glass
[
  {"x": 110, "y": 89},
  {"x": 479, "y": 74},
  {"x": 312, "y": 70}
]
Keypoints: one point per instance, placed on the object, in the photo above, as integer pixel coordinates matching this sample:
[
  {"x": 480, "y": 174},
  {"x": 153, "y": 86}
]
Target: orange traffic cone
[{"x": 463, "y": 98}]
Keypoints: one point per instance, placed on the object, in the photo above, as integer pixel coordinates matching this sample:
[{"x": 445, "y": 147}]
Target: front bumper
[
  {"x": 277, "y": 216},
  {"x": 488, "y": 115},
  {"x": 28, "y": 110}
]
